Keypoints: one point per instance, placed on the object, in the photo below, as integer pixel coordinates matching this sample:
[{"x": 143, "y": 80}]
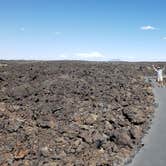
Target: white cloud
[
  {"x": 164, "y": 38},
  {"x": 63, "y": 56},
  {"x": 90, "y": 55},
  {"x": 57, "y": 33},
  {"x": 22, "y": 29},
  {"x": 148, "y": 27}
]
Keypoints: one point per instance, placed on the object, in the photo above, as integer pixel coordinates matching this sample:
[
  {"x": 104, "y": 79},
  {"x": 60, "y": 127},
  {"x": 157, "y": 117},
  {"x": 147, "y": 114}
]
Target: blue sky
[{"x": 83, "y": 29}]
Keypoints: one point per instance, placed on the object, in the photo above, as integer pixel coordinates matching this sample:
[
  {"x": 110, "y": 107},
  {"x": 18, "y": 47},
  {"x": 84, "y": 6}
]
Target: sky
[{"x": 97, "y": 30}]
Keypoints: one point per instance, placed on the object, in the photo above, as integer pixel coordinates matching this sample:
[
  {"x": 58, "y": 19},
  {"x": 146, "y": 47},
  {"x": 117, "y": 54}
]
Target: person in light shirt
[{"x": 159, "y": 71}]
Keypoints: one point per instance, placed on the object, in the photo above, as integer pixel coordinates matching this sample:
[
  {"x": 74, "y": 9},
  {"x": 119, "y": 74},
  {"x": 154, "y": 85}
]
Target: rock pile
[{"x": 72, "y": 113}]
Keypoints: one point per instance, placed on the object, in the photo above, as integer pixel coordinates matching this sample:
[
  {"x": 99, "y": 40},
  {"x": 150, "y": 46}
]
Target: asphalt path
[{"x": 154, "y": 151}]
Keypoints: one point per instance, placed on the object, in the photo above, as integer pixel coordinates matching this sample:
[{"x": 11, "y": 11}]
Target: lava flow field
[{"x": 72, "y": 113}]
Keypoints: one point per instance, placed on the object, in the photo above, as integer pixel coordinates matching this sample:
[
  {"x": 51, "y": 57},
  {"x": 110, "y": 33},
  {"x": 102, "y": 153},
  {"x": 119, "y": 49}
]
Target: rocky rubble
[{"x": 72, "y": 113}]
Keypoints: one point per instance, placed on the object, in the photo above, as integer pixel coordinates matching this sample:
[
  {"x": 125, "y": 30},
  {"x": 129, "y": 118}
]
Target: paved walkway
[{"x": 154, "y": 151}]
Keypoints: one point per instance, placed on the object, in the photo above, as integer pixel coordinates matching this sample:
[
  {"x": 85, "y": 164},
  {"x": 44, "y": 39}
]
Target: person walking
[{"x": 159, "y": 71}]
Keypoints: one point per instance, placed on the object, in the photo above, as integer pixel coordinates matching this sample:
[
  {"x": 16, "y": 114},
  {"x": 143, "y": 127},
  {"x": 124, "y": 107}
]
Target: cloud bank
[{"x": 90, "y": 56}]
